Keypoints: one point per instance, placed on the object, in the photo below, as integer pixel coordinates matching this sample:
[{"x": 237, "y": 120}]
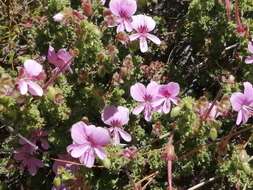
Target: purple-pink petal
[
  {"x": 143, "y": 21},
  {"x": 88, "y": 158},
  {"x": 154, "y": 39},
  {"x": 76, "y": 150},
  {"x": 249, "y": 59},
  {"x": 171, "y": 89},
  {"x": 248, "y": 90},
  {"x": 166, "y": 106},
  {"x": 34, "y": 88},
  {"x": 237, "y": 100},
  {"x": 152, "y": 89},
  {"x": 124, "y": 135},
  {"x": 143, "y": 44},
  {"x": 100, "y": 136},
  {"x": 122, "y": 8},
  {"x": 100, "y": 152},
  {"x": 78, "y": 133},
  {"x": 138, "y": 109},
  {"x": 138, "y": 92},
  {"x": 22, "y": 86},
  {"x": 32, "y": 67},
  {"x": 250, "y": 47}
]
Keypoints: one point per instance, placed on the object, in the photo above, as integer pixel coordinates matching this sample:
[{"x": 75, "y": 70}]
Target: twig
[
  {"x": 58, "y": 72},
  {"x": 165, "y": 135},
  {"x": 202, "y": 183},
  {"x": 11, "y": 130},
  {"x": 147, "y": 177},
  {"x": 212, "y": 105},
  {"x": 231, "y": 47},
  {"x": 170, "y": 156},
  {"x": 74, "y": 163},
  {"x": 149, "y": 181},
  {"x": 227, "y": 137},
  {"x": 250, "y": 159}
]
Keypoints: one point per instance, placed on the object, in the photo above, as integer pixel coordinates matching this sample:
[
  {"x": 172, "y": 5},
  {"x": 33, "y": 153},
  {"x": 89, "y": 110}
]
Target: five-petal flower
[
  {"x": 143, "y": 25},
  {"x": 88, "y": 142},
  {"x": 243, "y": 103},
  {"x": 123, "y": 10},
  {"x": 28, "y": 75},
  {"x": 145, "y": 97},
  {"x": 116, "y": 117}
]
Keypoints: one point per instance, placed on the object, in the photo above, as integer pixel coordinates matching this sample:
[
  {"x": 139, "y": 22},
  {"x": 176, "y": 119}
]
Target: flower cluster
[
  {"x": 26, "y": 154},
  {"x": 32, "y": 74},
  {"x": 88, "y": 142},
  {"x": 154, "y": 98},
  {"x": 29, "y": 75},
  {"x": 243, "y": 103},
  {"x": 124, "y": 10}
]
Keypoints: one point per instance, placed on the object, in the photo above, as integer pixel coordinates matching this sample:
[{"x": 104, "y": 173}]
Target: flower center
[
  {"x": 116, "y": 123},
  {"x": 123, "y": 14},
  {"x": 166, "y": 93},
  {"x": 147, "y": 98},
  {"x": 143, "y": 29}
]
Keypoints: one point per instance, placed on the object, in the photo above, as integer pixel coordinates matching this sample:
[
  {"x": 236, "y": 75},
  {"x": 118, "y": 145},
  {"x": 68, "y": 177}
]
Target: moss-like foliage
[{"x": 201, "y": 50}]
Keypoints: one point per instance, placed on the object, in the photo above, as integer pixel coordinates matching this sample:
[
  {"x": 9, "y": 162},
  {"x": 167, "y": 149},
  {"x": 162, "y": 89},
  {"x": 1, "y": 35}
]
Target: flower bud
[
  {"x": 213, "y": 134},
  {"x": 51, "y": 93},
  {"x": 107, "y": 163},
  {"x": 57, "y": 181},
  {"x": 87, "y": 8},
  {"x": 175, "y": 112}
]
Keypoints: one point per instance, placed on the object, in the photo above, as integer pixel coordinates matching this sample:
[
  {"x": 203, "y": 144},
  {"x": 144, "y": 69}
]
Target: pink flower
[
  {"x": 249, "y": 59},
  {"x": 61, "y": 60},
  {"x": 40, "y": 137},
  {"x": 129, "y": 152},
  {"x": 67, "y": 165},
  {"x": 116, "y": 117},
  {"x": 243, "y": 103},
  {"x": 143, "y": 25},
  {"x": 167, "y": 94},
  {"x": 88, "y": 141},
  {"x": 123, "y": 10},
  {"x": 28, "y": 161},
  {"x": 145, "y": 97},
  {"x": 28, "y": 76},
  {"x": 58, "y": 17},
  {"x": 213, "y": 114},
  {"x": 61, "y": 187}
]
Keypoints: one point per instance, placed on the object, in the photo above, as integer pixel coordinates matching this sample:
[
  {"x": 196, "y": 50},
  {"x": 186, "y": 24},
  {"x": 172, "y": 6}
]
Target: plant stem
[{"x": 202, "y": 183}]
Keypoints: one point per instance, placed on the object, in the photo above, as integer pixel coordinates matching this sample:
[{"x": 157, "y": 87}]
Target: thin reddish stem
[{"x": 169, "y": 168}]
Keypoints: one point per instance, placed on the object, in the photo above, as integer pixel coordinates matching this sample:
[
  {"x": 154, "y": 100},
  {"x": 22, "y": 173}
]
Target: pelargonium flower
[
  {"x": 61, "y": 60},
  {"x": 28, "y": 75},
  {"x": 116, "y": 117},
  {"x": 58, "y": 17},
  {"x": 143, "y": 25},
  {"x": 67, "y": 165},
  {"x": 129, "y": 152},
  {"x": 61, "y": 187},
  {"x": 243, "y": 103},
  {"x": 167, "y": 94},
  {"x": 203, "y": 109},
  {"x": 25, "y": 155},
  {"x": 249, "y": 59},
  {"x": 123, "y": 10},
  {"x": 145, "y": 97},
  {"x": 88, "y": 141},
  {"x": 40, "y": 137}
]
